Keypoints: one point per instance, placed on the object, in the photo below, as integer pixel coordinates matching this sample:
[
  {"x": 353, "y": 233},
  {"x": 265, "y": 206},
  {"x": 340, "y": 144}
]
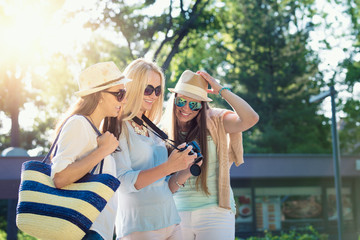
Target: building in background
[
  {"x": 273, "y": 192},
  {"x": 281, "y": 192}
]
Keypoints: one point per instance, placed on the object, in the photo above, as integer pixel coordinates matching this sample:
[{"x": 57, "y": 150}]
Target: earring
[{"x": 101, "y": 101}]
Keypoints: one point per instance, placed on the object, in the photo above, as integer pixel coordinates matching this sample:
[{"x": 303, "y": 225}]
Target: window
[
  {"x": 244, "y": 215},
  {"x": 346, "y": 204},
  {"x": 283, "y": 208}
]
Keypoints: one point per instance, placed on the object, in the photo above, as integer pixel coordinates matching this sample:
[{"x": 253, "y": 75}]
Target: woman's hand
[
  {"x": 180, "y": 160},
  {"x": 215, "y": 86},
  {"x": 107, "y": 143},
  {"x": 177, "y": 161},
  {"x": 180, "y": 178}
]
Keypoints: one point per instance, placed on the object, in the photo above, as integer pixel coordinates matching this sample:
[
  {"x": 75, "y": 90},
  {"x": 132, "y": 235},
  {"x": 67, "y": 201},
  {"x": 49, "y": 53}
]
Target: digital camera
[{"x": 194, "y": 169}]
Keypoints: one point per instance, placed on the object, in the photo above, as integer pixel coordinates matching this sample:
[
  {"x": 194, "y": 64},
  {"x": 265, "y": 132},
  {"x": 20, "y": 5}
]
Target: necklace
[{"x": 141, "y": 130}]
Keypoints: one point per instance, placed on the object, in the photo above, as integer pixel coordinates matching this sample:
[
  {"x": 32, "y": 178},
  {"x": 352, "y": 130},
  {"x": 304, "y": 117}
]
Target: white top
[
  {"x": 77, "y": 139},
  {"x": 152, "y": 207}
]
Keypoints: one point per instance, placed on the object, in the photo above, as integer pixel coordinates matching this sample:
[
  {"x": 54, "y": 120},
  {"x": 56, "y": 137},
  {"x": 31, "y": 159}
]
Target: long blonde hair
[{"x": 139, "y": 71}]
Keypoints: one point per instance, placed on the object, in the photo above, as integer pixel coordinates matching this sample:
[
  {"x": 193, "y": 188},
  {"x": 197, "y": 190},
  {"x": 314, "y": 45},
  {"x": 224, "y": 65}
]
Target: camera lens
[{"x": 195, "y": 170}]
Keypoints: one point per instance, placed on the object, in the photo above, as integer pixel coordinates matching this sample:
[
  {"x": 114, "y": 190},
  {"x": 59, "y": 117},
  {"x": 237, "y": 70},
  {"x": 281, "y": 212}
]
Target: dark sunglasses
[
  {"x": 119, "y": 95},
  {"x": 194, "y": 106},
  {"x": 150, "y": 89}
]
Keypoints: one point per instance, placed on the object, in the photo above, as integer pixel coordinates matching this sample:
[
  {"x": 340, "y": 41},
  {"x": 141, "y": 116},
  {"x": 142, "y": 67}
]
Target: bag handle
[
  {"x": 57, "y": 137},
  {"x": 99, "y": 134}
]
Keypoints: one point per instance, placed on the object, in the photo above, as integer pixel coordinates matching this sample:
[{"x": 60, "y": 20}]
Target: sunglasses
[
  {"x": 194, "y": 106},
  {"x": 150, "y": 89},
  {"x": 119, "y": 95}
]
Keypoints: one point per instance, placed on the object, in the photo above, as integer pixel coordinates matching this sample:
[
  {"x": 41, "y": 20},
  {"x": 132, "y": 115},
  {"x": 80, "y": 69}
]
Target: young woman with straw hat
[
  {"x": 206, "y": 203},
  {"x": 79, "y": 149}
]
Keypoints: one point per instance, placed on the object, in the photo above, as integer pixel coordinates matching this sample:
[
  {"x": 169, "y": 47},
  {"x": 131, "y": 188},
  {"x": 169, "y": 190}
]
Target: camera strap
[
  {"x": 194, "y": 169},
  {"x": 154, "y": 129}
]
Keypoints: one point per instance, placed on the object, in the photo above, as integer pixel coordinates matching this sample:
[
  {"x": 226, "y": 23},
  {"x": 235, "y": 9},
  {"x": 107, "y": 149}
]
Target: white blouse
[
  {"x": 149, "y": 208},
  {"x": 78, "y": 139}
]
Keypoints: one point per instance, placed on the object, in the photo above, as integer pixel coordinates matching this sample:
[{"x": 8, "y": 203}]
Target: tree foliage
[
  {"x": 350, "y": 124},
  {"x": 160, "y": 36},
  {"x": 259, "y": 48},
  {"x": 276, "y": 72},
  {"x": 19, "y": 78}
]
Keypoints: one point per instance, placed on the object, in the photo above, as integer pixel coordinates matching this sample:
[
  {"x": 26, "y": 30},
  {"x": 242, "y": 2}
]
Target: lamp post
[{"x": 336, "y": 155}]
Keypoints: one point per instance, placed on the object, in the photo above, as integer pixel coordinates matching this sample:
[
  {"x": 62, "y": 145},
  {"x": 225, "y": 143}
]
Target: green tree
[
  {"x": 18, "y": 73},
  {"x": 350, "y": 124},
  {"x": 146, "y": 33},
  {"x": 258, "y": 47},
  {"x": 273, "y": 69}
]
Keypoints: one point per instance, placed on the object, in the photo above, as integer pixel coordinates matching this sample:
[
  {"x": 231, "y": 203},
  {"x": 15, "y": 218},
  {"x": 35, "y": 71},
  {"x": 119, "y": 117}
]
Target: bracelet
[
  {"x": 180, "y": 185},
  {"x": 223, "y": 89},
  {"x": 176, "y": 181}
]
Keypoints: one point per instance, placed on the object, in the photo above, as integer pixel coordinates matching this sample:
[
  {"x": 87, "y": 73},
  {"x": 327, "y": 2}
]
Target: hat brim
[
  {"x": 190, "y": 95},
  {"x": 85, "y": 92}
]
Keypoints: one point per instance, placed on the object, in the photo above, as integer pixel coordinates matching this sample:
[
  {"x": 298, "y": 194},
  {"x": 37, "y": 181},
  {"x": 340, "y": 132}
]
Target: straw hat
[
  {"x": 192, "y": 85},
  {"x": 98, "y": 77}
]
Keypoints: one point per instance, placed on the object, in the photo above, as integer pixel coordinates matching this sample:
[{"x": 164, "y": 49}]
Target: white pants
[
  {"x": 172, "y": 232},
  {"x": 212, "y": 223}
]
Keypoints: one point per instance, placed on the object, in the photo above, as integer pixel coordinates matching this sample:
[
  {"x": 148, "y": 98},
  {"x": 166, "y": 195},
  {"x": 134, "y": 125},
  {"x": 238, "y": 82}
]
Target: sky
[{"x": 56, "y": 35}]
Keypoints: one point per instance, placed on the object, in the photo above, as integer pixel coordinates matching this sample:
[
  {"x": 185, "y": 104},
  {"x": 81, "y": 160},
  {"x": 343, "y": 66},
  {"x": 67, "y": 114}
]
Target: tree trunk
[
  {"x": 14, "y": 111},
  {"x": 15, "y": 130}
]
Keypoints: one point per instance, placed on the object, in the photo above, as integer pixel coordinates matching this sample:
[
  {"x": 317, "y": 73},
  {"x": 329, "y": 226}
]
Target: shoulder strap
[
  {"x": 99, "y": 134},
  {"x": 57, "y": 138},
  {"x": 93, "y": 126},
  {"x": 51, "y": 148}
]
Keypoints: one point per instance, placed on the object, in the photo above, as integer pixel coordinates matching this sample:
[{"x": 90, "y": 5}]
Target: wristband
[{"x": 223, "y": 89}]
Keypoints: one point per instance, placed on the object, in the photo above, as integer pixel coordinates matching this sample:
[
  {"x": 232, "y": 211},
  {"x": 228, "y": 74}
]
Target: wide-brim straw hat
[
  {"x": 98, "y": 77},
  {"x": 192, "y": 85}
]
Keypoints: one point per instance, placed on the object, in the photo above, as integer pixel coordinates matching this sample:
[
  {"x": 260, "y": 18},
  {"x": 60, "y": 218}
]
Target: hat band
[
  {"x": 109, "y": 82},
  {"x": 191, "y": 89}
]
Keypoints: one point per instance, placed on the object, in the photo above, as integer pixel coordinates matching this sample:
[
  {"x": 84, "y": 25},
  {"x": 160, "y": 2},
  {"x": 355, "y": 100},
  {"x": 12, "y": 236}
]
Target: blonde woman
[
  {"x": 146, "y": 206},
  {"x": 79, "y": 148},
  {"x": 206, "y": 203}
]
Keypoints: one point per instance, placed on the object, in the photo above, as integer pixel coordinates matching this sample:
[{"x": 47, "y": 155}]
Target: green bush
[
  {"x": 23, "y": 236},
  {"x": 3, "y": 214},
  {"x": 20, "y": 235},
  {"x": 2, "y": 234},
  {"x": 309, "y": 233}
]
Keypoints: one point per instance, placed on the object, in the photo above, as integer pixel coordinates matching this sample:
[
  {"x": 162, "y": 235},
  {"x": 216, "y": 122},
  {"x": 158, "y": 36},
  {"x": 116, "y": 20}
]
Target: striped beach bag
[{"x": 46, "y": 212}]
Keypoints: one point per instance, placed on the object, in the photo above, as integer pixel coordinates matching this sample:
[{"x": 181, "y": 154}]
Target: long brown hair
[
  {"x": 113, "y": 125},
  {"x": 84, "y": 106},
  {"x": 197, "y": 131}
]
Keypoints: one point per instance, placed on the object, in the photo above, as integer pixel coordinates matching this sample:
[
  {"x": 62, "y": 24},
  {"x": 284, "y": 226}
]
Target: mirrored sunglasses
[
  {"x": 150, "y": 89},
  {"x": 119, "y": 95},
  {"x": 194, "y": 106}
]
